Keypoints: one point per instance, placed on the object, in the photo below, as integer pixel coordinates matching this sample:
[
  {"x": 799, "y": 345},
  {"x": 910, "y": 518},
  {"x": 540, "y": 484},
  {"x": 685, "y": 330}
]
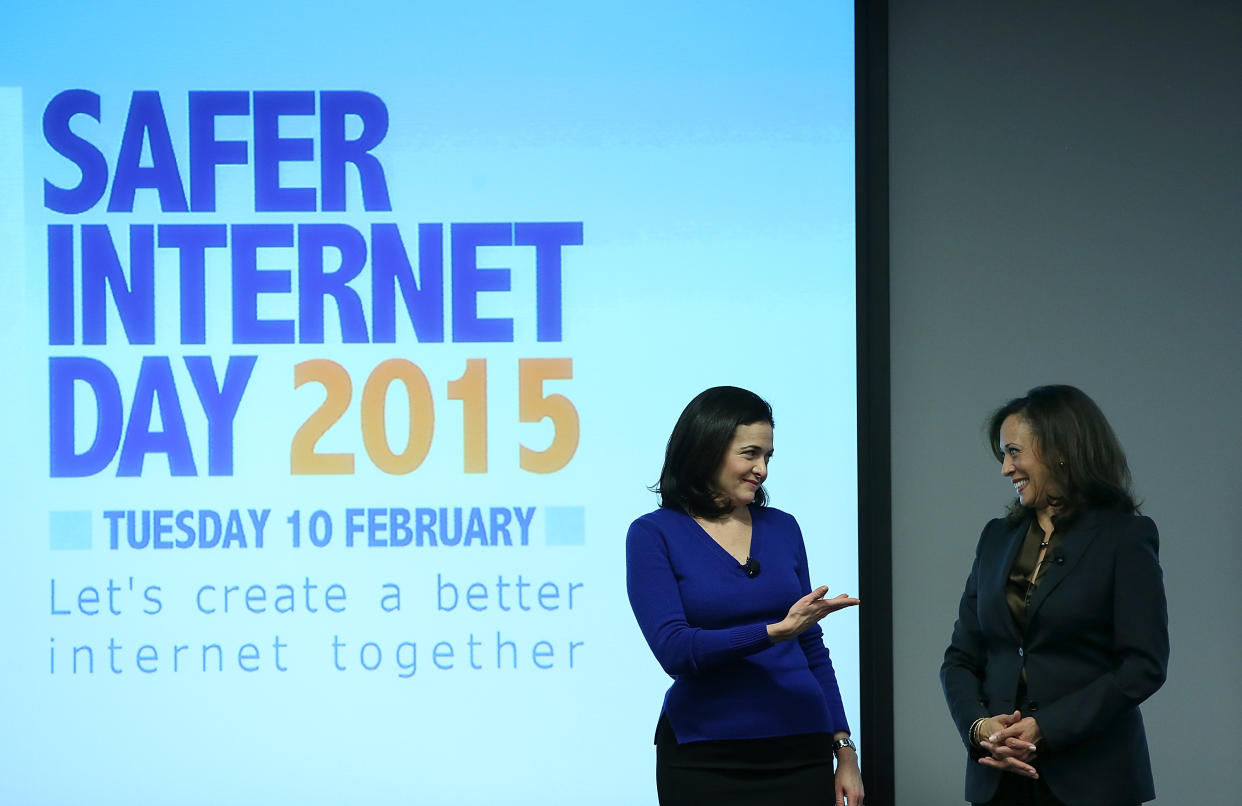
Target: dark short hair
[
  {"x": 1083, "y": 457},
  {"x": 698, "y": 443}
]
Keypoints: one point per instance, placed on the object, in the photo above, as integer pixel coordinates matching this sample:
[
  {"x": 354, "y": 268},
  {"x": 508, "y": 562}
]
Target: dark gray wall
[{"x": 1066, "y": 207}]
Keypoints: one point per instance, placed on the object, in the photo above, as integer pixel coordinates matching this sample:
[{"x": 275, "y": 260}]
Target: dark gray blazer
[{"x": 1096, "y": 645}]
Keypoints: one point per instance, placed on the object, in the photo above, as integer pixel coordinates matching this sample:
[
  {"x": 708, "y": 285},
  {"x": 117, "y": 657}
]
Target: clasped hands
[
  {"x": 1010, "y": 741},
  {"x": 808, "y": 611}
]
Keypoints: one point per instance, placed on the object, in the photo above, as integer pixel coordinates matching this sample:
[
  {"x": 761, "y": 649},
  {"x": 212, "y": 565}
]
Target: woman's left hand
[
  {"x": 1013, "y": 748},
  {"x": 848, "y": 784}
]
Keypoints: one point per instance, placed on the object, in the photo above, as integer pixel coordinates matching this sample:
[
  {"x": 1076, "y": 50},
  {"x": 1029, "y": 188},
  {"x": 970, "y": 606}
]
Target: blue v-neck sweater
[{"x": 706, "y": 622}]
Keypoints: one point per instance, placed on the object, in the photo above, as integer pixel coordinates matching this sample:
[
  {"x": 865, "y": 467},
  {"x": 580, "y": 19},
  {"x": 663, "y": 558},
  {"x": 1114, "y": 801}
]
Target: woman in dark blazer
[{"x": 1062, "y": 629}]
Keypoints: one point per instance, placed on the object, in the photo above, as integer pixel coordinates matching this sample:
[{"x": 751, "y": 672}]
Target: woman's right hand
[
  {"x": 808, "y": 611},
  {"x": 1009, "y": 740}
]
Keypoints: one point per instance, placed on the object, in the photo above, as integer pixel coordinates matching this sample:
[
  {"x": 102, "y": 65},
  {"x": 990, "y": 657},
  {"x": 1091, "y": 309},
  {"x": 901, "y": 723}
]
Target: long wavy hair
[
  {"x": 1082, "y": 455},
  {"x": 698, "y": 444}
]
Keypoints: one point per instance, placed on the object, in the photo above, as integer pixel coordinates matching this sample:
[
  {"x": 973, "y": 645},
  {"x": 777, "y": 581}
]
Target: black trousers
[{"x": 1018, "y": 791}]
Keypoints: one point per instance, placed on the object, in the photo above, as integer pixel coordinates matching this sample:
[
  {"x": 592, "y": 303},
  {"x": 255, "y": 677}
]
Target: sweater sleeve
[
  {"x": 681, "y": 648},
  {"x": 817, "y": 656},
  {"x": 818, "y": 659}
]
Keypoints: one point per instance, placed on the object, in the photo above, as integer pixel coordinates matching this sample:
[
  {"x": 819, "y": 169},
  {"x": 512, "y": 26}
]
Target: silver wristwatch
[{"x": 846, "y": 742}]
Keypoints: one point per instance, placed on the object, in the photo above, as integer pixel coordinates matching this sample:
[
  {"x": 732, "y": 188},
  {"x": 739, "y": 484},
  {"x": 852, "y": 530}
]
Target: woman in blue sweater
[{"x": 720, "y": 587}]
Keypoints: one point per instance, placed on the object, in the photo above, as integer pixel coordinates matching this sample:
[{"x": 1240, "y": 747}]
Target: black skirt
[{"x": 742, "y": 772}]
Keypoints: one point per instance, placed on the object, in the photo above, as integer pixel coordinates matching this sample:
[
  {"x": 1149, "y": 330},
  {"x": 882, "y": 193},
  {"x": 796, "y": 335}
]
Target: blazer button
[
  {"x": 1032, "y": 707},
  {"x": 1020, "y": 652}
]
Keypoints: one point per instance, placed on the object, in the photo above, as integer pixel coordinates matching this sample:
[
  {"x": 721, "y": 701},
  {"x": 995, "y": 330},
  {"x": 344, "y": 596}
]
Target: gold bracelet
[{"x": 974, "y": 731}]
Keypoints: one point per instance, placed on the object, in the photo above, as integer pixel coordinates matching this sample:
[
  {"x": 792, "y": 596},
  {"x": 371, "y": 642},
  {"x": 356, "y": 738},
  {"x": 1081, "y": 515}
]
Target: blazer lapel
[
  {"x": 1077, "y": 538},
  {"x": 1013, "y": 542}
]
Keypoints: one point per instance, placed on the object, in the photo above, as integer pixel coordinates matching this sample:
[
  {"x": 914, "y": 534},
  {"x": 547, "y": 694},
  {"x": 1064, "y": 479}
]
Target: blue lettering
[
  {"x": 500, "y": 518},
  {"x": 234, "y": 532},
  {"x": 425, "y": 526},
  {"x": 206, "y": 152},
  {"x": 353, "y": 526},
  {"x": 399, "y": 527},
  {"x": 186, "y": 527},
  {"x": 444, "y": 536},
  {"x": 162, "y": 528},
  {"x": 63, "y": 373},
  {"x": 314, "y": 283},
  {"x": 334, "y": 109},
  {"x": 469, "y": 280},
  {"x": 475, "y": 530},
  {"x": 146, "y": 123},
  {"x": 135, "y": 300},
  {"x": 375, "y": 524},
  {"x": 210, "y": 529},
  {"x": 259, "y": 520},
  {"x": 524, "y": 518},
  {"x": 90, "y": 160},
  {"x": 156, "y": 388},
  {"x": 441, "y": 587},
  {"x": 132, "y": 536},
  {"x": 192, "y": 241},
  {"x": 113, "y": 517},
  {"x": 249, "y": 281},
  {"x": 60, "y": 284},
  {"x": 548, "y": 238},
  {"x": 424, "y": 298},
  {"x": 56, "y": 612},
  {"x": 220, "y": 404},
  {"x": 270, "y": 150}
]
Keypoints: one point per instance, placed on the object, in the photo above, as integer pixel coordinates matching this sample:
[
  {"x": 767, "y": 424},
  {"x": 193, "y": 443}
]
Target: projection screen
[{"x": 342, "y": 344}]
